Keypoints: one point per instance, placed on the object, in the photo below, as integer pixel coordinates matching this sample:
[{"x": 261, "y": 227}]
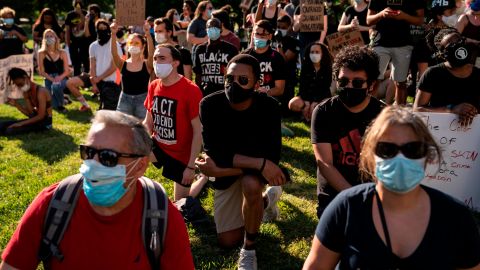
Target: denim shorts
[{"x": 132, "y": 105}]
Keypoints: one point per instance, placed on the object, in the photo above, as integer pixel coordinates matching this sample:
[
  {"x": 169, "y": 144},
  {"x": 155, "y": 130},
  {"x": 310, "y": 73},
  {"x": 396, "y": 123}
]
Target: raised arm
[{"x": 117, "y": 60}]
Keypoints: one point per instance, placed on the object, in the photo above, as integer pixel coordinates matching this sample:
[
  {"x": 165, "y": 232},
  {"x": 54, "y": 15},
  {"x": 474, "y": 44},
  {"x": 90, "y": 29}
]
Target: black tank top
[
  {"x": 53, "y": 66},
  {"x": 273, "y": 20},
  {"x": 135, "y": 83}
]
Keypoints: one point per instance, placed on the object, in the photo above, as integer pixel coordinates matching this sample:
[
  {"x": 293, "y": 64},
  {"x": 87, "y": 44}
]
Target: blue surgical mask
[
  {"x": 102, "y": 185},
  {"x": 8, "y": 21},
  {"x": 271, "y": 2},
  {"x": 209, "y": 13},
  {"x": 400, "y": 174},
  {"x": 260, "y": 43},
  {"x": 213, "y": 33},
  {"x": 358, "y": 1},
  {"x": 475, "y": 5}
]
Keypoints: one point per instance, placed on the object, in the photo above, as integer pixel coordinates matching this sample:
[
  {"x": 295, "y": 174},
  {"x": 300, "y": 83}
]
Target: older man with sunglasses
[
  {"x": 338, "y": 123},
  {"x": 242, "y": 141},
  {"x": 105, "y": 228}
]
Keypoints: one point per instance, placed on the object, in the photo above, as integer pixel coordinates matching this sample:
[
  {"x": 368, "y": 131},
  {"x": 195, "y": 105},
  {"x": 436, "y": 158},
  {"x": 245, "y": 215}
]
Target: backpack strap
[
  {"x": 154, "y": 220},
  {"x": 59, "y": 212}
]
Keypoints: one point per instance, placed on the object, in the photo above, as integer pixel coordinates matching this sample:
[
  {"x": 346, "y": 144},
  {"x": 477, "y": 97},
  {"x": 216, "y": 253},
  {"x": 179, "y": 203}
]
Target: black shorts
[{"x": 172, "y": 168}]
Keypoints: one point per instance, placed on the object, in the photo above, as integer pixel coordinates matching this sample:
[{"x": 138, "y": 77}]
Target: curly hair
[
  {"x": 357, "y": 58},
  {"x": 440, "y": 35}
]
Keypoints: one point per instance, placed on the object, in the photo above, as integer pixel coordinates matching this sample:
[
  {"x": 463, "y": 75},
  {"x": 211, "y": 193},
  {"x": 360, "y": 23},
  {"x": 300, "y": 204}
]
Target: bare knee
[
  {"x": 252, "y": 188},
  {"x": 231, "y": 239},
  {"x": 73, "y": 84},
  {"x": 296, "y": 104}
]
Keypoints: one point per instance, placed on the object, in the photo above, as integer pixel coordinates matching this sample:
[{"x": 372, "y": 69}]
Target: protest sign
[
  {"x": 338, "y": 40},
  {"x": 130, "y": 12},
  {"x": 312, "y": 13},
  {"x": 7, "y": 90},
  {"x": 246, "y": 4},
  {"x": 457, "y": 174}
]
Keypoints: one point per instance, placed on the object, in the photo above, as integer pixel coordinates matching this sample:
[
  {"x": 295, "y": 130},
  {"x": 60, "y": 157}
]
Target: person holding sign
[
  {"x": 451, "y": 86},
  {"x": 336, "y": 144},
  {"x": 355, "y": 18},
  {"x": 395, "y": 222},
  {"x": 37, "y": 107},
  {"x": 307, "y": 37}
]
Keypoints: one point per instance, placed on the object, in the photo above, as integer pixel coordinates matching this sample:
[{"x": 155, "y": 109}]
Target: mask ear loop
[{"x": 130, "y": 170}]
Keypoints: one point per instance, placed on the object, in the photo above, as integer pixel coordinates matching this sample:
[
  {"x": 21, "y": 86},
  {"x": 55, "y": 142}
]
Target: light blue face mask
[
  {"x": 271, "y": 2},
  {"x": 259, "y": 43},
  {"x": 213, "y": 33},
  {"x": 102, "y": 185},
  {"x": 8, "y": 21},
  {"x": 209, "y": 13},
  {"x": 400, "y": 174}
]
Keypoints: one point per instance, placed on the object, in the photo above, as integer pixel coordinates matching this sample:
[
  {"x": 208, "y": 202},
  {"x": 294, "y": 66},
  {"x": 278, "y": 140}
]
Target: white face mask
[
  {"x": 160, "y": 38},
  {"x": 315, "y": 57},
  {"x": 450, "y": 20},
  {"x": 134, "y": 50},
  {"x": 162, "y": 70}
]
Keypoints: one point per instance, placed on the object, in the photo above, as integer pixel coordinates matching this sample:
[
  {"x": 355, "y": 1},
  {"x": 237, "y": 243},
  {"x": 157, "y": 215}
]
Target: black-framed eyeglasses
[
  {"x": 107, "y": 157},
  {"x": 356, "y": 83},
  {"x": 412, "y": 150},
  {"x": 241, "y": 79}
]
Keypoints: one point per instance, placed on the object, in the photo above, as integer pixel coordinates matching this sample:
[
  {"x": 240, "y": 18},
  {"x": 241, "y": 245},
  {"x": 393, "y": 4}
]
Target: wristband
[{"x": 263, "y": 165}]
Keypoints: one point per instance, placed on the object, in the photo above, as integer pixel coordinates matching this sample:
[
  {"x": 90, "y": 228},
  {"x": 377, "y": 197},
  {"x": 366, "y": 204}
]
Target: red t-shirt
[
  {"x": 231, "y": 38},
  {"x": 173, "y": 108},
  {"x": 92, "y": 241}
]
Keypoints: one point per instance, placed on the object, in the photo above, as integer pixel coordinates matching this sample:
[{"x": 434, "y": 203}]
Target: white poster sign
[{"x": 23, "y": 61}]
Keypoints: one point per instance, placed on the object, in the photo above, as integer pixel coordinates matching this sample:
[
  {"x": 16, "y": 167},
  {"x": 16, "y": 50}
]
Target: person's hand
[
  {"x": 389, "y": 13},
  {"x": 95, "y": 79},
  {"x": 114, "y": 29},
  {"x": 146, "y": 27},
  {"x": 16, "y": 125},
  {"x": 206, "y": 165},
  {"x": 95, "y": 89},
  {"x": 57, "y": 79},
  {"x": 273, "y": 174},
  {"x": 354, "y": 23},
  {"x": 466, "y": 112},
  {"x": 188, "y": 176}
]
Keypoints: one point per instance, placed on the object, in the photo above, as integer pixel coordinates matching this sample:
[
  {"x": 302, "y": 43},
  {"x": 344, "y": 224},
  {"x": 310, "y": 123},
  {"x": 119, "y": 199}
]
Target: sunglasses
[
  {"x": 412, "y": 150},
  {"x": 242, "y": 79},
  {"x": 356, "y": 83},
  {"x": 107, "y": 157}
]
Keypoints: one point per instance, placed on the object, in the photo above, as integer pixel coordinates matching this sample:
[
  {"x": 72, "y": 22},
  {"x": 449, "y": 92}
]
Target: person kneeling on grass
[{"x": 38, "y": 106}]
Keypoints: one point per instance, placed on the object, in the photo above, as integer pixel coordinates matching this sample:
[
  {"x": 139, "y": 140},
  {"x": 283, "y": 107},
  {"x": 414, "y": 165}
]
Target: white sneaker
[
  {"x": 247, "y": 260},
  {"x": 271, "y": 212}
]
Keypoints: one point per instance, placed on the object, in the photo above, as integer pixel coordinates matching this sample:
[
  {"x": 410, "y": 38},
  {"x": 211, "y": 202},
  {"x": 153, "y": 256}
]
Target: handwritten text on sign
[
  {"x": 339, "y": 40},
  {"x": 458, "y": 172},
  {"x": 130, "y": 12},
  {"x": 7, "y": 90},
  {"x": 312, "y": 13}
]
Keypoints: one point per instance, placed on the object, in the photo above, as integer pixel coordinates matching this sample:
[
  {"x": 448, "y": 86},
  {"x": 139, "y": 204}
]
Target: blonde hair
[
  {"x": 391, "y": 116},
  {"x": 6, "y": 10},
  {"x": 43, "y": 48}
]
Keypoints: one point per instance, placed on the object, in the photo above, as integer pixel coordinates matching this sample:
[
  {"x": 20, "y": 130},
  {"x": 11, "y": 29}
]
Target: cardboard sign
[
  {"x": 339, "y": 40},
  {"x": 246, "y": 4},
  {"x": 458, "y": 173},
  {"x": 23, "y": 61},
  {"x": 130, "y": 12},
  {"x": 312, "y": 12}
]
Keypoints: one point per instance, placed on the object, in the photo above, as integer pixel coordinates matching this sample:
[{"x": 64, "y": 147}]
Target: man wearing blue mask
[
  {"x": 336, "y": 144},
  {"x": 12, "y": 37},
  {"x": 105, "y": 227},
  {"x": 211, "y": 58}
]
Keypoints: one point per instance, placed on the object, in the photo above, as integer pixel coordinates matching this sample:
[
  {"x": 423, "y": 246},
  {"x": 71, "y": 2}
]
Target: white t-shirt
[{"x": 103, "y": 57}]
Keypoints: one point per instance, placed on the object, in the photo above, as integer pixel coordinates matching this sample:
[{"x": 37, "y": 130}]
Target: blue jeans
[
  {"x": 56, "y": 90},
  {"x": 132, "y": 105}
]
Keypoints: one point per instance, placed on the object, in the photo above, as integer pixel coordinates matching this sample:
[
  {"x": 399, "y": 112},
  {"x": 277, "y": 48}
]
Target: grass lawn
[{"x": 33, "y": 161}]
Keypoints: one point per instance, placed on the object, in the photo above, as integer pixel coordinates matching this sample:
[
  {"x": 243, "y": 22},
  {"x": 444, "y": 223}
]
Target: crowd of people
[{"x": 190, "y": 95}]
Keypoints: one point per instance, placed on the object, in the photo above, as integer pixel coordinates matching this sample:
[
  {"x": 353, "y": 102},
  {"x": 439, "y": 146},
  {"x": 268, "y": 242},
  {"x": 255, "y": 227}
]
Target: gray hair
[{"x": 141, "y": 143}]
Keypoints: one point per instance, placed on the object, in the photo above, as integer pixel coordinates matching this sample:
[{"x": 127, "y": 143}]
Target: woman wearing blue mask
[
  {"x": 12, "y": 36},
  {"x": 395, "y": 223},
  {"x": 197, "y": 29}
]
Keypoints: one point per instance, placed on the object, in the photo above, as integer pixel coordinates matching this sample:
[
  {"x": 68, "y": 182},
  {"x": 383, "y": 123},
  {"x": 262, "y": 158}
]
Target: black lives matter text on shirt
[
  {"x": 272, "y": 67},
  {"x": 164, "y": 112},
  {"x": 212, "y": 68}
]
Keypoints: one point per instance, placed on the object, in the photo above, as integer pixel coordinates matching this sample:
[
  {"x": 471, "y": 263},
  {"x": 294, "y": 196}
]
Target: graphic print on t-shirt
[
  {"x": 347, "y": 151},
  {"x": 164, "y": 112},
  {"x": 213, "y": 66},
  {"x": 266, "y": 74}
]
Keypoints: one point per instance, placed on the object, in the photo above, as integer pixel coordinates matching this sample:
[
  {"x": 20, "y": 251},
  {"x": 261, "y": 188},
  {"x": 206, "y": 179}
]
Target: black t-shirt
[
  {"x": 447, "y": 89},
  {"x": 391, "y": 32},
  {"x": 451, "y": 240},
  {"x": 11, "y": 45},
  {"x": 40, "y": 28},
  {"x": 198, "y": 27},
  {"x": 186, "y": 59},
  {"x": 333, "y": 123},
  {"x": 315, "y": 86},
  {"x": 76, "y": 24},
  {"x": 306, "y": 38},
  {"x": 254, "y": 132},
  {"x": 350, "y": 13},
  {"x": 272, "y": 66},
  {"x": 210, "y": 63}
]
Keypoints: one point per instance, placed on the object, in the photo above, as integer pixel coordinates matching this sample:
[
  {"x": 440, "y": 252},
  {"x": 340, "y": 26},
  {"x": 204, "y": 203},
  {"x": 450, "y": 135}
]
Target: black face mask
[
  {"x": 236, "y": 94},
  {"x": 351, "y": 97},
  {"x": 457, "y": 53},
  {"x": 103, "y": 36}
]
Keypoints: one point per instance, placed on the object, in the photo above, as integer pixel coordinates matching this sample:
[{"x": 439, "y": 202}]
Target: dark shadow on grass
[
  {"x": 78, "y": 116},
  {"x": 299, "y": 132},
  {"x": 303, "y": 160},
  {"x": 51, "y": 146}
]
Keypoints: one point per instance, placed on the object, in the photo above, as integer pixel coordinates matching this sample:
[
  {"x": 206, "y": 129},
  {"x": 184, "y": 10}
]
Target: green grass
[{"x": 31, "y": 162}]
